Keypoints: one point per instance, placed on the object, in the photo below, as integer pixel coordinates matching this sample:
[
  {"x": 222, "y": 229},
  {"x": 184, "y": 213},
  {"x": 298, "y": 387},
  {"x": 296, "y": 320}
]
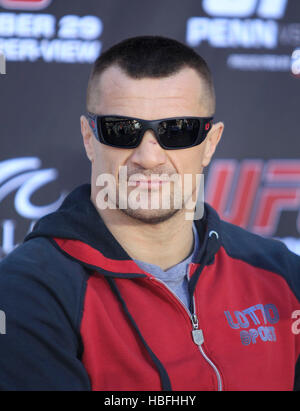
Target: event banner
[{"x": 47, "y": 48}]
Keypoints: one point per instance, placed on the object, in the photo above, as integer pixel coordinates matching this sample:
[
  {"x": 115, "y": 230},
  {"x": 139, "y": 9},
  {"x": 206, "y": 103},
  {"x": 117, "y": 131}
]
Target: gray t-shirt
[{"x": 175, "y": 277}]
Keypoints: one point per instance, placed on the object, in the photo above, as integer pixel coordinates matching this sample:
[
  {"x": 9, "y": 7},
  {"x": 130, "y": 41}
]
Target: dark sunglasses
[{"x": 171, "y": 133}]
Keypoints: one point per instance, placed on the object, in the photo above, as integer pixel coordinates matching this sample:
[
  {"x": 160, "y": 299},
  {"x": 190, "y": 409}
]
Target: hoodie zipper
[
  {"x": 197, "y": 334},
  {"x": 199, "y": 340}
]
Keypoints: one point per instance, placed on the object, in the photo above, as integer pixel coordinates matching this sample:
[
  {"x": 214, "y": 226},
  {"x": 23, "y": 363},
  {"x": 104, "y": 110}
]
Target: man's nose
[{"x": 149, "y": 153}]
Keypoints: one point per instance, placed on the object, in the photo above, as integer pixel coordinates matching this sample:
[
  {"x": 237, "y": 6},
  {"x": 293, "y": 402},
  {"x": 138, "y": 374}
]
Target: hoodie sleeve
[{"x": 41, "y": 294}]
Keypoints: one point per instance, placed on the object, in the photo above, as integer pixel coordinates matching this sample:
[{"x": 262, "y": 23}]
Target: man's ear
[
  {"x": 87, "y": 135},
  {"x": 211, "y": 142}
]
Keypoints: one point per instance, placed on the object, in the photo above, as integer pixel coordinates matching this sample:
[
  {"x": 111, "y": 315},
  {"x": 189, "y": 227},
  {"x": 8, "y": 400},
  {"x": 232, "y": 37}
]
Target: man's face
[{"x": 179, "y": 95}]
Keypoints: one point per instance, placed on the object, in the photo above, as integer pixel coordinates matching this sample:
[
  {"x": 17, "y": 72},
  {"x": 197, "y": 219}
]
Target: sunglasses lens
[
  {"x": 179, "y": 132},
  {"x": 120, "y": 132}
]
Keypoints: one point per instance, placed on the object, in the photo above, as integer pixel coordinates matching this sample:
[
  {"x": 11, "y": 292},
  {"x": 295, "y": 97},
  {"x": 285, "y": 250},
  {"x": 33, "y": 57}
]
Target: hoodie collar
[{"x": 78, "y": 231}]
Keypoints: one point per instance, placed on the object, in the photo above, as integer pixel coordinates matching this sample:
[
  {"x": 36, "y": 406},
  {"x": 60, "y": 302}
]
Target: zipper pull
[
  {"x": 197, "y": 334},
  {"x": 198, "y": 337}
]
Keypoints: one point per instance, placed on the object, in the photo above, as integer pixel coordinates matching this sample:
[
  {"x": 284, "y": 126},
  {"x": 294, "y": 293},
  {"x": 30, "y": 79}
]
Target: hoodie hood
[
  {"x": 78, "y": 219},
  {"x": 78, "y": 230}
]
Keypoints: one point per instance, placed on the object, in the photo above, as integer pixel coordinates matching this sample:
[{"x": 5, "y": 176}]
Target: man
[{"x": 105, "y": 295}]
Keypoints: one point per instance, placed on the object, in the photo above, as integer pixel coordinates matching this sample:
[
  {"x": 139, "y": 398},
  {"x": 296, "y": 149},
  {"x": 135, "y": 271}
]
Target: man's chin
[{"x": 150, "y": 216}]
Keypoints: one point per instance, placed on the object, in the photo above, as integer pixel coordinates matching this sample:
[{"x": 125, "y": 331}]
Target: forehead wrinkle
[
  {"x": 144, "y": 98},
  {"x": 107, "y": 83},
  {"x": 138, "y": 93},
  {"x": 111, "y": 91}
]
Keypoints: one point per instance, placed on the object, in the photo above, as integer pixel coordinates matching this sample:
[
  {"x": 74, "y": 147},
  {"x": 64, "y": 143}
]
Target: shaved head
[{"x": 152, "y": 57}]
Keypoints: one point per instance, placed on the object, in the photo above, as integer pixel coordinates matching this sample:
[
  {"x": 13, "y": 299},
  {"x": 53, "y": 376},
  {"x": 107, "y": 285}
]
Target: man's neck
[{"x": 164, "y": 244}]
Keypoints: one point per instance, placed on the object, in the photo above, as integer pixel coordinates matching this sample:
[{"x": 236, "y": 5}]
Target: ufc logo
[
  {"x": 269, "y": 9},
  {"x": 25, "y": 4},
  {"x": 253, "y": 194}
]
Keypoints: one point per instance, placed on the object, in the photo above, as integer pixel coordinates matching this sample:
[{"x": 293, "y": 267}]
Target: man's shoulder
[
  {"x": 266, "y": 253},
  {"x": 36, "y": 269},
  {"x": 40, "y": 256},
  {"x": 239, "y": 240}
]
